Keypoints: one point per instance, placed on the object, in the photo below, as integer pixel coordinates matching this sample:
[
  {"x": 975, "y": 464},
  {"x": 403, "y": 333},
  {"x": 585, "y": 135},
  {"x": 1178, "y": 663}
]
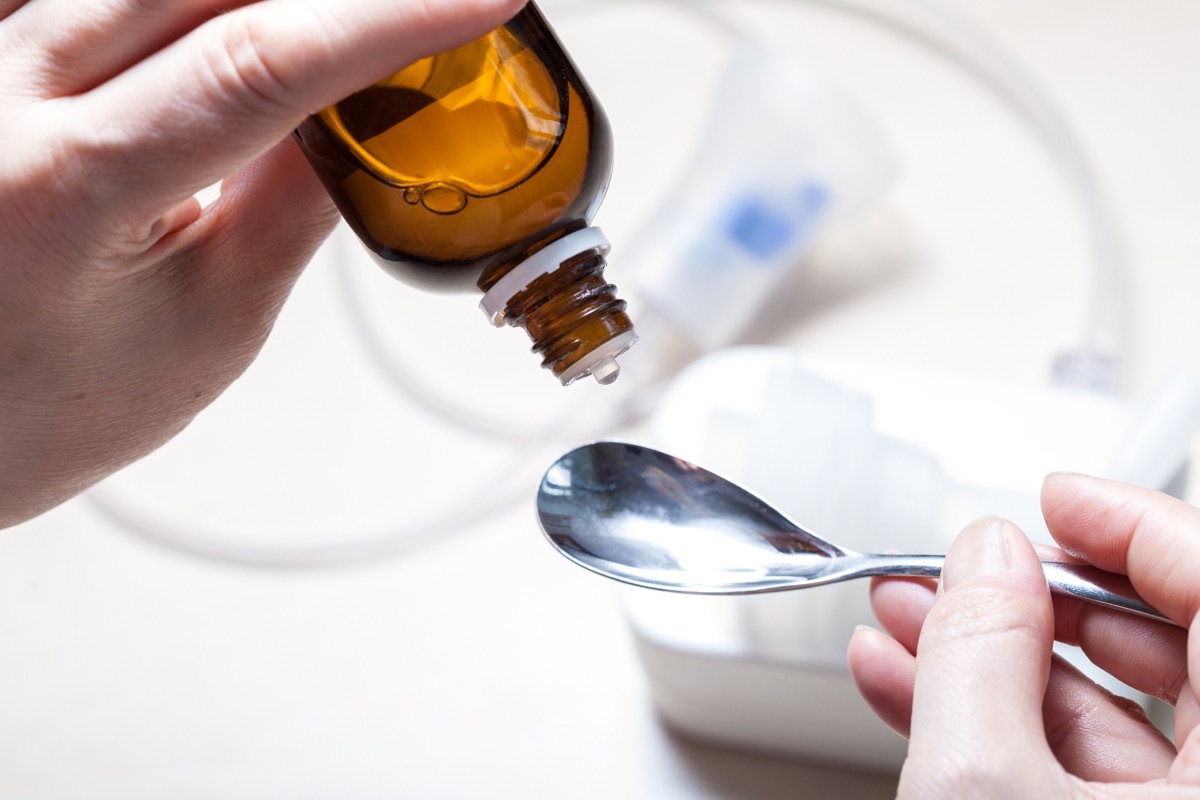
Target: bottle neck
[{"x": 572, "y": 314}]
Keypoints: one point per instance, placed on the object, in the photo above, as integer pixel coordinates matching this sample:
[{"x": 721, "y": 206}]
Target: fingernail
[
  {"x": 983, "y": 548},
  {"x": 1066, "y": 475}
]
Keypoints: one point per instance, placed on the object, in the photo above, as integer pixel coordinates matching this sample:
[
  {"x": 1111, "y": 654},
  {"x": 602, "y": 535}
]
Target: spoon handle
[
  {"x": 1081, "y": 581},
  {"x": 1099, "y": 587}
]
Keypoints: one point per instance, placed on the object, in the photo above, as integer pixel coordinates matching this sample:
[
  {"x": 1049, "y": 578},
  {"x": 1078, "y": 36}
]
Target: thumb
[{"x": 983, "y": 659}]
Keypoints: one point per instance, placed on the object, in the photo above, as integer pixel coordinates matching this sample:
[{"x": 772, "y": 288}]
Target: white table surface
[{"x": 478, "y": 663}]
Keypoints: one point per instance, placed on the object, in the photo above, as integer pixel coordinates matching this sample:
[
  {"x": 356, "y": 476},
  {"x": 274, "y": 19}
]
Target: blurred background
[{"x": 333, "y": 584}]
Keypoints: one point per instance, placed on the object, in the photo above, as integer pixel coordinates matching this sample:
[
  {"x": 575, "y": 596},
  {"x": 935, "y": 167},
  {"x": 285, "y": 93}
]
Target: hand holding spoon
[{"x": 641, "y": 516}]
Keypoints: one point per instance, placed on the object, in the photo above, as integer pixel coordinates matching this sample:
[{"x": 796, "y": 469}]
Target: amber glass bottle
[{"x": 480, "y": 169}]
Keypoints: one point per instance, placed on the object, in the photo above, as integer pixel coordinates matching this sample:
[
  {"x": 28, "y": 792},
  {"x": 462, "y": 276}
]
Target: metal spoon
[{"x": 641, "y": 516}]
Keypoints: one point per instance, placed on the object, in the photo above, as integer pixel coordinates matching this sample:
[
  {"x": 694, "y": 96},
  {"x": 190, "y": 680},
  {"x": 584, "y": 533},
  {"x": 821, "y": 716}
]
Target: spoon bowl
[{"x": 644, "y": 517}]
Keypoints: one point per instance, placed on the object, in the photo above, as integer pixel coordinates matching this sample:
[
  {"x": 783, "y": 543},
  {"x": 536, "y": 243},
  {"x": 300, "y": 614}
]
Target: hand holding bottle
[
  {"x": 989, "y": 710},
  {"x": 126, "y": 308}
]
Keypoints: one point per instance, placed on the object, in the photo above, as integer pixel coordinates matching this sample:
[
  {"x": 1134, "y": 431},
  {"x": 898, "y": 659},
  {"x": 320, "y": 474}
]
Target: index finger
[{"x": 1149, "y": 536}]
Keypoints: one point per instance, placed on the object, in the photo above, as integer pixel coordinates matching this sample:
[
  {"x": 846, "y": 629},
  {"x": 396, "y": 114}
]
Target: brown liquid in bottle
[{"x": 461, "y": 167}]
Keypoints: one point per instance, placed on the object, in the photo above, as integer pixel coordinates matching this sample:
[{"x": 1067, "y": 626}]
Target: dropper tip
[{"x": 606, "y": 371}]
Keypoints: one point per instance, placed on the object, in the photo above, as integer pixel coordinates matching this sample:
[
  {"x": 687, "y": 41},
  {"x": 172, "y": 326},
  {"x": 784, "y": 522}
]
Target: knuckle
[
  {"x": 259, "y": 63},
  {"x": 981, "y": 609},
  {"x": 950, "y": 773},
  {"x": 72, "y": 201},
  {"x": 1173, "y": 683},
  {"x": 1071, "y": 720},
  {"x": 241, "y": 69},
  {"x": 55, "y": 200},
  {"x": 943, "y": 777}
]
